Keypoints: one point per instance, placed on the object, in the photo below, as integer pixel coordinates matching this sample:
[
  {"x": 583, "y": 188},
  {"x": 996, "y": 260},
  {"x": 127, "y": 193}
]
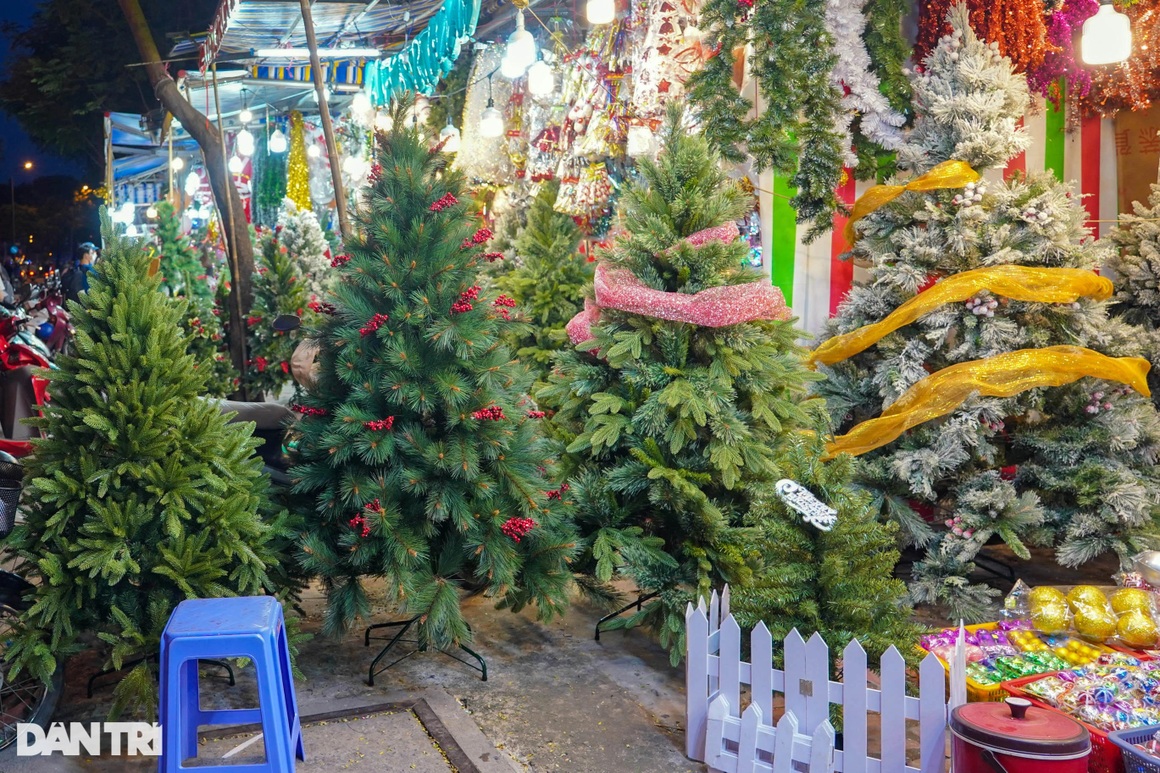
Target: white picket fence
[{"x": 720, "y": 733}]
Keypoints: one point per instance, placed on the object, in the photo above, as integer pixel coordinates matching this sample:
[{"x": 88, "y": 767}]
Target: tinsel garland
[
  {"x": 269, "y": 183},
  {"x": 1059, "y": 66},
  {"x": 853, "y": 76},
  {"x": 1131, "y": 85},
  {"x": 889, "y": 51},
  {"x": 1016, "y": 25},
  {"x": 795, "y": 133},
  {"x": 427, "y": 58},
  {"x": 297, "y": 168}
]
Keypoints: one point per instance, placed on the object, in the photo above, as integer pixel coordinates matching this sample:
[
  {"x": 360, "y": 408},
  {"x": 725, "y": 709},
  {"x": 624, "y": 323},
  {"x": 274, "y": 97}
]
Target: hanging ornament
[
  {"x": 297, "y": 170},
  {"x": 812, "y": 510}
]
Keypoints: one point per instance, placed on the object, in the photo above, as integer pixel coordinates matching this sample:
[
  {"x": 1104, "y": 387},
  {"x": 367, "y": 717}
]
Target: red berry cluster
[
  {"x": 492, "y": 257},
  {"x": 260, "y": 363},
  {"x": 516, "y": 528},
  {"x": 536, "y": 414},
  {"x": 374, "y": 507},
  {"x": 558, "y": 493},
  {"x": 745, "y": 3},
  {"x": 320, "y": 307},
  {"x": 465, "y": 298},
  {"x": 340, "y": 260},
  {"x": 306, "y": 410},
  {"x": 359, "y": 523},
  {"x": 479, "y": 237},
  {"x": 494, "y": 413},
  {"x": 285, "y": 367},
  {"x": 376, "y": 173},
  {"x": 502, "y": 304},
  {"x": 378, "y": 424},
  {"x": 373, "y": 324},
  {"x": 448, "y": 200},
  {"x": 252, "y": 321}
]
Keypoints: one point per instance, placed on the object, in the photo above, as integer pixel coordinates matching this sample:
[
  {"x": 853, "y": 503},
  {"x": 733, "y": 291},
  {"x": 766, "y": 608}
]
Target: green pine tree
[
  {"x": 183, "y": 275},
  {"x": 548, "y": 282},
  {"x": 141, "y": 495},
  {"x": 181, "y": 270},
  {"x": 680, "y": 431},
  {"x": 419, "y": 461},
  {"x": 279, "y": 288},
  {"x": 839, "y": 583}
]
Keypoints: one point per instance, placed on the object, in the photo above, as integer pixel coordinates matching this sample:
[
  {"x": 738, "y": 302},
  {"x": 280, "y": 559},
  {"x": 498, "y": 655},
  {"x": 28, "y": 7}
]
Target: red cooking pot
[{"x": 1016, "y": 737}]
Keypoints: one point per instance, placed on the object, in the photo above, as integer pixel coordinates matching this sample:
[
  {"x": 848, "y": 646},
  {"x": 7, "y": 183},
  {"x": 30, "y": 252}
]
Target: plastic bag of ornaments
[{"x": 1125, "y": 616}]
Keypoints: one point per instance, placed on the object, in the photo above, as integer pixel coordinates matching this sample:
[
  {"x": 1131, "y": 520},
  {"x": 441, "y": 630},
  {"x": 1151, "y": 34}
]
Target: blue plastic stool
[{"x": 251, "y": 628}]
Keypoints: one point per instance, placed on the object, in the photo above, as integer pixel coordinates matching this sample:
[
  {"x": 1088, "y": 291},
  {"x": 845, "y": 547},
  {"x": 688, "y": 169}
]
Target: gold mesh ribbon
[
  {"x": 948, "y": 174},
  {"x": 1003, "y": 375},
  {"x": 1020, "y": 283}
]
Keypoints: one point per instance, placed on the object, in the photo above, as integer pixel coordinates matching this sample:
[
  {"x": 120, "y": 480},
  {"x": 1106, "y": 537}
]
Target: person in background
[
  {"x": 6, "y": 278},
  {"x": 76, "y": 280}
]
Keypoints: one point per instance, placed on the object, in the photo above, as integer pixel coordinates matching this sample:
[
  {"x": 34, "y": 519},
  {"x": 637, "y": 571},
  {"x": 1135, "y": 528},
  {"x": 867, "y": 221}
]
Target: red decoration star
[{"x": 663, "y": 87}]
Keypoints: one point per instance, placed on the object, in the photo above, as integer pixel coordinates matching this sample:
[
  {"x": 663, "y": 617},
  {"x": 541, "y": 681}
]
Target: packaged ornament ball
[{"x": 1126, "y": 616}]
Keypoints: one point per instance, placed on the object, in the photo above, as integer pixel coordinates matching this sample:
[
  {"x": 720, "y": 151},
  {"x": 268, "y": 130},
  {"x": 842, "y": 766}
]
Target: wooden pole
[{"x": 327, "y": 126}]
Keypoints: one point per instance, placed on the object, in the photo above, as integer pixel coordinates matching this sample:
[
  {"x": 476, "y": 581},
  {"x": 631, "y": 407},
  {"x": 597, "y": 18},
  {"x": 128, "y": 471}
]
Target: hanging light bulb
[
  {"x": 192, "y": 183},
  {"x": 450, "y": 138},
  {"x": 352, "y": 165},
  {"x": 178, "y": 163},
  {"x": 245, "y": 143},
  {"x": 313, "y": 151},
  {"x": 278, "y": 142},
  {"x": 491, "y": 121},
  {"x": 361, "y": 108},
  {"x": 1107, "y": 36},
  {"x": 601, "y": 11},
  {"x": 236, "y": 164},
  {"x": 151, "y": 212},
  {"x": 520, "y": 52},
  {"x": 384, "y": 122},
  {"x": 245, "y": 116},
  {"x": 541, "y": 81}
]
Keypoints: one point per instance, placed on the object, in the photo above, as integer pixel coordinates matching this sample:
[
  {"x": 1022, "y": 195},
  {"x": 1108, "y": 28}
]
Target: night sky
[{"x": 17, "y": 147}]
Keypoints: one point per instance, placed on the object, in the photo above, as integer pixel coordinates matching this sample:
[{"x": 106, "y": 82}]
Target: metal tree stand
[
  {"x": 639, "y": 603},
  {"x": 404, "y": 626}
]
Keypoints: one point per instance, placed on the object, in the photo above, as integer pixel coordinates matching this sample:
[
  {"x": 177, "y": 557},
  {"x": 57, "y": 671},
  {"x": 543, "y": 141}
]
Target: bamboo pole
[{"x": 327, "y": 126}]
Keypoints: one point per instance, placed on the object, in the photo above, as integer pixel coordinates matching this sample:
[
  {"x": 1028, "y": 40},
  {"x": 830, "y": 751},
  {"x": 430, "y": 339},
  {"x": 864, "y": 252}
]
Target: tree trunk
[{"x": 225, "y": 193}]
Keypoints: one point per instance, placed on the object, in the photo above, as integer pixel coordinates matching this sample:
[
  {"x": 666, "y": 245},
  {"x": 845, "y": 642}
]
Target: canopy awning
[{"x": 243, "y": 26}]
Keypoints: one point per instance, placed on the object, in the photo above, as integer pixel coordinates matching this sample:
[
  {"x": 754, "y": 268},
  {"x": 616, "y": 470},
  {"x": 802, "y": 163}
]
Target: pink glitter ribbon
[{"x": 620, "y": 289}]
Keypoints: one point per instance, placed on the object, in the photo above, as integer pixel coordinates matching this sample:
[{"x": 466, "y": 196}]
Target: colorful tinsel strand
[
  {"x": 380, "y": 424},
  {"x": 493, "y": 413},
  {"x": 448, "y": 200},
  {"x": 373, "y": 324},
  {"x": 517, "y": 528}
]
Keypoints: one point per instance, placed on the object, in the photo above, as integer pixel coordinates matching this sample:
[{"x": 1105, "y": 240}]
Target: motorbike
[
  {"x": 49, "y": 319},
  {"x": 21, "y": 354}
]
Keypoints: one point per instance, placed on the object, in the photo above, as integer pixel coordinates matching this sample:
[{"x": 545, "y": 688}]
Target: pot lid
[{"x": 1020, "y": 729}]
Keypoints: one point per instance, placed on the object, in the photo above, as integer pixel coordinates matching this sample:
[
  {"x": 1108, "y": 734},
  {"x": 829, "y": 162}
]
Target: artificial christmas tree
[
  {"x": 684, "y": 407},
  {"x": 1136, "y": 268},
  {"x": 420, "y": 459},
  {"x": 141, "y": 495},
  {"x": 181, "y": 270},
  {"x": 548, "y": 282},
  {"x": 977, "y": 373},
  {"x": 299, "y": 232},
  {"x": 279, "y": 289},
  {"x": 183, "y": 275}
]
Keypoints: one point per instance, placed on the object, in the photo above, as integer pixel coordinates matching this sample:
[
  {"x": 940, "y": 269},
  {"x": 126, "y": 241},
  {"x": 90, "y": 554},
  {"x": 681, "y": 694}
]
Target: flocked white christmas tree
[
  {"x": 301, "y": 235},
  {"x": 1135, "y": 267},
  {"x": 1070, "y": 465}
]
